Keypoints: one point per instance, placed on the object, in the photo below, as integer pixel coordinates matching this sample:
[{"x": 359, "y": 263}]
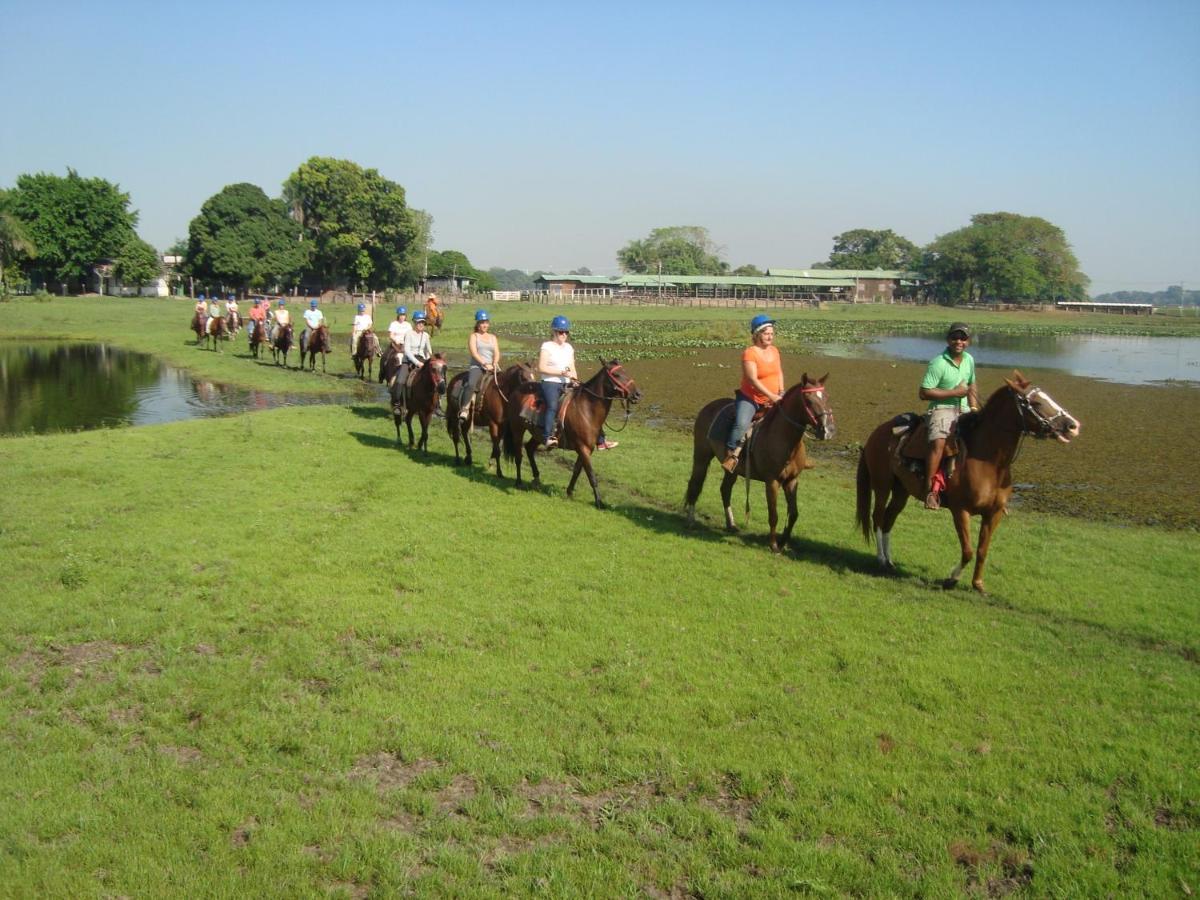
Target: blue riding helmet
[
  {"x": 312, "y": 303},
  {"x": 402, "y": 310},
  {"x": 282, "y": 303},
  {"x": 560, "y": 323},
  {"x": 759, "y": 322},
  {"x": 232, "y": 297},
  {"x": 361, "y": 307},
  {"x": 419, "y": 316},
  {"x": 201, "y": 297},
  {"x": 481, "y": 315}
]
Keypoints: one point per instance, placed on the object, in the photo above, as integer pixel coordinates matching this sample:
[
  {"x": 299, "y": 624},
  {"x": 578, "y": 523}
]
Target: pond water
[
  {"x": 1122, "y": 359},
  {"x": 47, "y": 387}
]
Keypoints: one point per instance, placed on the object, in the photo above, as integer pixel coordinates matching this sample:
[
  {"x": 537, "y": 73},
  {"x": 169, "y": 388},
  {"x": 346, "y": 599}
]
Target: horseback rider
[
  {"x": 231, "y": 309},
  {"x": 283, "y": 317},
  {"x": 201, "y": 310},
  {"x": 417, "y": 350},
  {"x": 556, "y": 366},
  {"x": 432, "y": 310},
  {"x": 762, "y": 385},
  {"x": 485, "y": 358},
  {"x": 362, "y": 323},
  {"x": 949, "y": 386},
  {"x": 399, "y": 328},
  {"x": 313, "y": 319},
  {"x": 214, "y": 313},
  {"x": 258, "y": 316}
]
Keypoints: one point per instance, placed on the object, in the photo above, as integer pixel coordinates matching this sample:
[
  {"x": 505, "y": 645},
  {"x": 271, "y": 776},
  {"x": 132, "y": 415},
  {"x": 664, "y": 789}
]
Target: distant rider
[
  {"x": 313, "y": 319},
  {"x": 762, "y": 385},
  {"x": 485, "y": 359},
  {"x": 362, "y": 323},
  {"x": 416, "y": 351},
  {"x": 556, "y": 366}
]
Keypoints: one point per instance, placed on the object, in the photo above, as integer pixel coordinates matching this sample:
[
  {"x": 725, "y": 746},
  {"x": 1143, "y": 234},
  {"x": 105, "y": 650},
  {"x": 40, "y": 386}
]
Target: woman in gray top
[{"x": 485, "y": 359}]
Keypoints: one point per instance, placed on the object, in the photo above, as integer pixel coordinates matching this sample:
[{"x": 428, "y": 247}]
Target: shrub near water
[{"x": 386, "y": 674}]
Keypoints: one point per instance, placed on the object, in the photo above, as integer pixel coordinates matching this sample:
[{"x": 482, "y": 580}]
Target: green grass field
[{"x": 273, "y": 655}]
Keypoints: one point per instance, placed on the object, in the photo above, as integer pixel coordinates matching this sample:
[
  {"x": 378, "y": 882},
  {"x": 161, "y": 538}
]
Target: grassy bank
[{"x": 282, "y": 676}]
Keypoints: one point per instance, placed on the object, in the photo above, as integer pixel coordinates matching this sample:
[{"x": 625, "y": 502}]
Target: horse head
[
  {"x": 815, "y": 409},
  {"x": 436, "y": 366},
  {"x": 1040, "y": 415},
  {"x": 616, "y": 383}
]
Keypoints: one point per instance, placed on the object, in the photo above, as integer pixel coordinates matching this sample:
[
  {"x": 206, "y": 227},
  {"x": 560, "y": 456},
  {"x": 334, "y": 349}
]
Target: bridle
[
  {"x": 823, "y": 421},
  {"x": 1046, "y": 425},
  {"x": 624, "y": 392}
]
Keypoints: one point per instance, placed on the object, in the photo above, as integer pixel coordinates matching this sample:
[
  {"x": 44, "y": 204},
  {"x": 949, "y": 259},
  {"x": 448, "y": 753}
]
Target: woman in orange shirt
[{"x": 762, "y": 384}]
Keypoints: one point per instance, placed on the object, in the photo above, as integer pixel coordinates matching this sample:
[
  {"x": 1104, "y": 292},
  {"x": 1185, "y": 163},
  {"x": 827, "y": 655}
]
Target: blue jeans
[
  {"x": 551, "y": 394},
  {"x": 742, "y": 414}
]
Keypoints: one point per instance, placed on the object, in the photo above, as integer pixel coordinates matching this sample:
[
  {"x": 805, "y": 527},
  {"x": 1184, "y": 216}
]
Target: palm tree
[{"x": 15, "y": 242}]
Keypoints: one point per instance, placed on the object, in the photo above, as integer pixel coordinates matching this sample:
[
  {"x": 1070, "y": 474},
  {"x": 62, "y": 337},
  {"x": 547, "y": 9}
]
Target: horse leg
[
  {"x": 701, "y": 457},
  {"x": 423, "y": 444},
  {"x": 727, "y": 484},
  {"x": 789, "y": 494},
  {"x": 962, "y": 524},
  {"x": 531, "y": 452},
  {"x": 466, "y": 436},
  {"x": 772, "y": 486},
  {"x": 987, "y": 530},
  {"x": 495, "y": 432},
  {"x": 585, "y": 457},
  {"x": 397, "y": 419},
  {"x": 408, "y": 421}
]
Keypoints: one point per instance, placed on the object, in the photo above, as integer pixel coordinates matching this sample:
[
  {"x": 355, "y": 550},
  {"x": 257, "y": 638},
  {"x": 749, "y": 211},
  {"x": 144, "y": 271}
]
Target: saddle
[
  {"x": 913, "y": 438},
  {"x": 722, "y": 423},
  {"x": 532, "y": 406}
]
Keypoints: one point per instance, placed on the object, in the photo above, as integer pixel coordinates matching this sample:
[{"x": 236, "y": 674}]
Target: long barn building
[{"x": 859, "y": 285}]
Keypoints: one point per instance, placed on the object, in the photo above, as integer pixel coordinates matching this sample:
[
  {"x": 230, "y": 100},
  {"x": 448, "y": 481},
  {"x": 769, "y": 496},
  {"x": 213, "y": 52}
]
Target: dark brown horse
[
  {"x": 425, "y": 387},
  {"x": 487, "y": 408},
  {"x": 365, "y": 354},
  {"x": 316, "y": 341},
  {"x": 257, "y": 335},
  {"x": 281, "y": 343},
  {"x": 982, "y": 479},
  {"x": 197, "y": 326},
  {"x": 233, "y": 323},
  {"x": 582, "y": 413},
  {"x": 774, "y": 454},
  {"x": 215, "y": 333}
]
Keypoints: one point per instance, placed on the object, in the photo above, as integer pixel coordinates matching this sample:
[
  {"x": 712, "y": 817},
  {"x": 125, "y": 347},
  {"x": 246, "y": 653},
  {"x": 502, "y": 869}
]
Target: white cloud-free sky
[{"x": 547, "y": 135}]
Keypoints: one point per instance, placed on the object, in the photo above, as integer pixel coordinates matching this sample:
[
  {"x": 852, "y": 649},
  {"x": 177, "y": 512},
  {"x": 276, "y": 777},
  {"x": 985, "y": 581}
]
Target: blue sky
[{"x": 546, "y": 135}]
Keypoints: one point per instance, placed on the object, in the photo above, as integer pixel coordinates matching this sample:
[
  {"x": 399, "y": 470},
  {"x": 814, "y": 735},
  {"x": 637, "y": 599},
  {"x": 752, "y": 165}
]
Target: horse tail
[{"x": 863, "y": 506}]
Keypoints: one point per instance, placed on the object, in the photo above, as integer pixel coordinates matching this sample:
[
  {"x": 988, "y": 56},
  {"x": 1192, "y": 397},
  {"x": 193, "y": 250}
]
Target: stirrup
[{"x": 731, "y": 460}]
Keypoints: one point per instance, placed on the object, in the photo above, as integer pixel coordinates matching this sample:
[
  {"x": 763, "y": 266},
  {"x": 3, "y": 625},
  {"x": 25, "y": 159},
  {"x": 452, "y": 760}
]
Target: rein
[{"x": 622, "y": 394}]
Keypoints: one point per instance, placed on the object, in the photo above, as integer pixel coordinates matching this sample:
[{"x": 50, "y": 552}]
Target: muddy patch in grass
[
  {"x": 1015, "y": 869},
  {"x": 182, "y": 755},
  {"x": 78, "y": 661},
  {"x": 389, "y": 771}
]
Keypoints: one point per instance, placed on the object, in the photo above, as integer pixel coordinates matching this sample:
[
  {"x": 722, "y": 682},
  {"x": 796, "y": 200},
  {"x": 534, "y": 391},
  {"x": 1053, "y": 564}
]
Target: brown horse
[
  {"x": 365, "y": 354},
  {"x": 426, "y": 386},
  {"x": 316, "y": 341},
  {"x": 982, "y": 480},
  {"x": 774, "y": 454},
  {"x": 582, "y": 414},
  {"x": 433, "y": 317},
  {"x": 487, "y": 407},
  {"x": 281, "y": 343},
  {"x": 257, "y": 335},
  {"x": 233, "y": 323},
  {"x": 215, "y": 333},
  {"x": 198, "y": 323}
]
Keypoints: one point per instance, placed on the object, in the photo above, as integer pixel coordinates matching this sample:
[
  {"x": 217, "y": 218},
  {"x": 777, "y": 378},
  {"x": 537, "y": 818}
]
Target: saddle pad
[{"x": 721, "y": 423}]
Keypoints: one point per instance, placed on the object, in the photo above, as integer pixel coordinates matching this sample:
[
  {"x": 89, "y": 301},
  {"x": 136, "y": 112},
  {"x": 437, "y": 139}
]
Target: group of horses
[
  {"x": 979, "y": 483},
  {"x": 314, "y": 342}
]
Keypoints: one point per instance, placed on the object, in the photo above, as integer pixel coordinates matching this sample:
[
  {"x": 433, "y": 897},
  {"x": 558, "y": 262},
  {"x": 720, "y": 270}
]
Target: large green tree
[
  {"x": 137, "y": 262},
  {"x": 866, "y": 248},
  {"x": 449, "y": 263},
  {"x": 1007, "y": 257},
  {"x": 73, "y": 222},
  {"x": 674, "y": 250},
  {"x": 242, "y": 238},
  {"x": 16, "y": 246},
  {"x": 362, "y": 231}
]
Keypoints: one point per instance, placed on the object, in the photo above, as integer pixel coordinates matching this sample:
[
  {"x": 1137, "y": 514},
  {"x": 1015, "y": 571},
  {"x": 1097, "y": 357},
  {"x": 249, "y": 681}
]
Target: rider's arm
[
  {"x": 947, "y": 393},
  {"x": 545, "y": 365},
  {"x": 972, "y": 396},
  {"x": 496, "y": 354}
]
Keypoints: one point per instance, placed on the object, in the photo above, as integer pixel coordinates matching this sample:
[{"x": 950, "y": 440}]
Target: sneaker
[
  {"x": 607, "y": 445},
  {"x": 550, "y": 444},
  {"x": 932, "y": 501}
]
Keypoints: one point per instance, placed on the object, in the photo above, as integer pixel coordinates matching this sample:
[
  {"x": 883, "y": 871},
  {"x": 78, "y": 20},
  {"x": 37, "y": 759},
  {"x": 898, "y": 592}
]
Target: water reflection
[
  {"x": 1123, "y": 359},
  {"x": 46, "y": 387}
]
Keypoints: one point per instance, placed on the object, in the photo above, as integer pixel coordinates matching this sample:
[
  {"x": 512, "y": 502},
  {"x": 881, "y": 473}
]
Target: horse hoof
[
  {"x": 979, "y": 589},
  {"x": 948, "y": 584},
  {"x": 732, "y": 529}
]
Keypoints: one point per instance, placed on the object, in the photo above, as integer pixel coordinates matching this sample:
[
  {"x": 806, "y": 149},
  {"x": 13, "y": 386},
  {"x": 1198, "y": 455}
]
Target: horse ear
[
  {"x": 1021, "y": 380},
  {"x": 821, "y": 380},
  {"x": 804, "y": 378}
]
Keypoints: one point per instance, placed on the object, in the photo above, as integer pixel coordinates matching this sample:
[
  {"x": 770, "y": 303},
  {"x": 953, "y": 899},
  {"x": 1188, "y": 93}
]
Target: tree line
[
  {"x": 335, "y": 224},
  {"x": 999, "y": 256}
]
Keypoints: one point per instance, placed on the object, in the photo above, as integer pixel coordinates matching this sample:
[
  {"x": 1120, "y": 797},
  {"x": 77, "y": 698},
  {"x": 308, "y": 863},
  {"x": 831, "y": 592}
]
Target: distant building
[
  {"x": 1124, "y": 309},
  {"x": 103, "y": 281},
  {"x": 870, "y": 286},
  {"x": 445, "y": 284}
]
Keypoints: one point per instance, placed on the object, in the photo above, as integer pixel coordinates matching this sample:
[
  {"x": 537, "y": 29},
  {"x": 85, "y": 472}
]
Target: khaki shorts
[{"x": 939, "y": 420}]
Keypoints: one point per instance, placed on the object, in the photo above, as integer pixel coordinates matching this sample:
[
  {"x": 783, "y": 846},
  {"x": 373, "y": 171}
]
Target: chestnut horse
[
  {"x": 774, "y": 454},
  {"x": 582, "y": 413},
  {"x": 488, "y": 407},
  {"x": 433, "y": 317},
  {"x": 426, "y": 385},
  {"x": 281, "y": 343},
  {"x": 316, "y": 341},
  {"x": 233, "y": 323},
  {"x": 365, "y": 353},
  {"x": 256, "y": 333},
  {"x": 198, "y": 327},
  {"x": 982, "y": 480}
]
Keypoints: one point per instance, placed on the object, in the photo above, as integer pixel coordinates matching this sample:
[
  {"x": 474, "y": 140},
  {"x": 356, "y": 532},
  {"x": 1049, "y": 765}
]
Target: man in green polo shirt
[{"x": 949, "y": 386}]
